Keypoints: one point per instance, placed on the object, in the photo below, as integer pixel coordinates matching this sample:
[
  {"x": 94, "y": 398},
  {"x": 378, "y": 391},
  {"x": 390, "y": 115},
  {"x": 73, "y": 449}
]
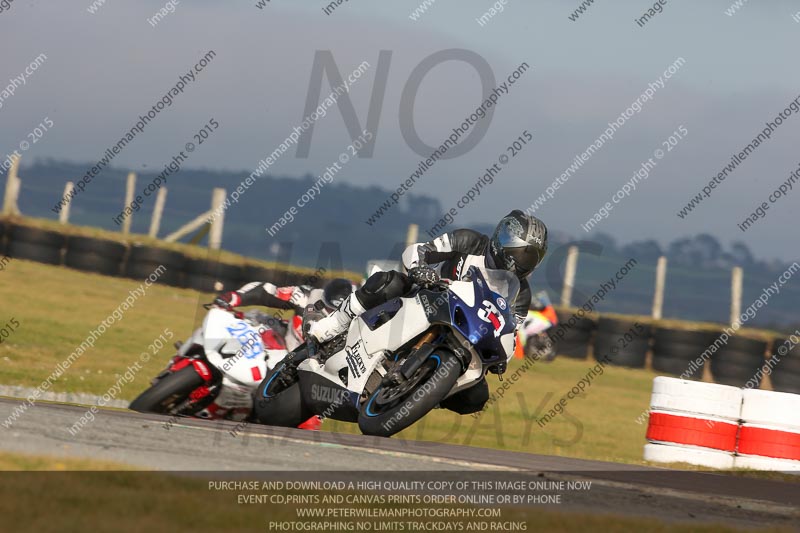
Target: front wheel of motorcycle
[
  {"x": 168, "y": 393},
  {"x": 277, "y": 400},
  {"x": 391, "y": 409}
]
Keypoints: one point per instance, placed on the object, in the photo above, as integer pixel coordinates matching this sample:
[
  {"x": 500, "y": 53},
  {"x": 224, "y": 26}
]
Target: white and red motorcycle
[
  {"x": 540, "y": 320},
  {"x": 215, "y": 372}
]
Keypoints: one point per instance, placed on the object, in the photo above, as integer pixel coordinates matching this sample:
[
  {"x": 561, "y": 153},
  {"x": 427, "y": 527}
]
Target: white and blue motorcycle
[{"x": 397, "y": 361}]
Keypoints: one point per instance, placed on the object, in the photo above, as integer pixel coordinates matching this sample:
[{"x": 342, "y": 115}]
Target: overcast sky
[{"x": 105, "y": 69}]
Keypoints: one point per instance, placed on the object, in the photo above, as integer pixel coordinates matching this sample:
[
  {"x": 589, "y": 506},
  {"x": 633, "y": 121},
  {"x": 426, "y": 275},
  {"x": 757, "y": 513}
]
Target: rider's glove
[
  {"x": 227, "y": 300},
  {"x": 423, "y": 275}
]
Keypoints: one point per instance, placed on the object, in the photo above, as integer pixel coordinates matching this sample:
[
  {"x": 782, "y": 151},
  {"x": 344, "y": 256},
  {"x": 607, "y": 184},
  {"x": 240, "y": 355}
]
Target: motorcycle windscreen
[{"x": 504, "y": 283}]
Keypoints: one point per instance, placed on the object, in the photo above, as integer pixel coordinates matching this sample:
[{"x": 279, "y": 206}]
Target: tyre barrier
[
  {"x": 138, "y": 261},
  {"x": 785, "y": 367},
  {"x": 624, "y": 342},
  {"x": 94, "y": 255},
  {"x": 721, "y": 426},
  {"x": 693, "y": 423},
  {"x": 769, "y": 438},
  {"x": 576, "y": 339},
  {"x": 144, "y": 260},
  {"x": 677, "y": 351},
  {"x": 2, "y": 238},
  {"x": 257, "y": 273},
  {"x": 210, "y": 276},
  {"x": 738, "y": 362},
  {"x": 34, "y": 244}
]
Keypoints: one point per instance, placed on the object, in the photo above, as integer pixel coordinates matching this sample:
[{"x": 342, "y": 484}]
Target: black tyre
[
  {"x": 736, "y": 375},
  {"x": 34, "y": 252},
  {"x": 256, "y": 273},
  {"x": 738, "y": 361},
  {"x": 389, "y": 410},
  {"x": 784, "y": 380},
  {"x": 614, "y": 325},
  {"x": 34, "y": 244},
  {"x": 277, "y": 400},
  {"x": 675, "y": 349},
  {"x": 168, "y": 393},
  {"x": 159, "y": 256},
  {"x": 621, "y": 342},
  {"x": 791, "y": 359},
  {"x": 42, "y": 237},
  {"x": 684, "y": 336},
  {"x": 203, "y": 275},
  {"x": 94, "y": 255},
  {"x": 89, "y": 245},
  {"x": 144, "y": 260},
  {"x": 573, "y": 349},
  {"x": 630, "y": 354},
  {"x": 3, "y": 232},
  {"x": 676, "y": 367},
  {"x": 97, "y": 263},
  {"x": 573, "y": 340}
]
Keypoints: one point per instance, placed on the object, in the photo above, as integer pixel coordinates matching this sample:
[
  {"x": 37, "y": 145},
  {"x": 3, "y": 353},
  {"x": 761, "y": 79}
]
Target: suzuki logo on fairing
[
  {"x": 489, "y": 313},
  {"x": 321, "y": 393}
]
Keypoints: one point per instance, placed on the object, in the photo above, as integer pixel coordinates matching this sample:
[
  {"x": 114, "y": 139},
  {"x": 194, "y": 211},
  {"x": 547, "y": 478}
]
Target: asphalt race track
[{"x": 143, "y": 441}]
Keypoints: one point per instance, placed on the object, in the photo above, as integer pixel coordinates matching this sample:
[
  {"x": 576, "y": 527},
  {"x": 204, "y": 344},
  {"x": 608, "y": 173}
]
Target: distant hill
[{"x": 331, "y": 232}]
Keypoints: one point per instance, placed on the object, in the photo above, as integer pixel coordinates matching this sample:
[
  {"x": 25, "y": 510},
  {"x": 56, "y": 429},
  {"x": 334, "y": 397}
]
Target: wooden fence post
[
  {"x": 130, "y": 186},
  {"x": 569, "y": 276},
  {"x": 155, "y": 221},
  {"x": 658, "y": 297},
  {"x": 215, "y": 235},
  {"x": 413, "y": 233},
  {"x": 10, "y": 204},
  {"x": 736, "y": 294},
  {"x": 63, "y": 215}
]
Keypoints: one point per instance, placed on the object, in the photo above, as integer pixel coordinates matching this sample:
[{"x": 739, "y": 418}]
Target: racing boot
[{"x": 337, "y": 322}]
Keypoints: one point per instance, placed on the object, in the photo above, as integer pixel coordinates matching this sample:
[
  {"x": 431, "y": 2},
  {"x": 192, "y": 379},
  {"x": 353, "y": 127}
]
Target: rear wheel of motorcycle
[
  {"x": 169, "y": 392},
  {"x": 390, "y": 410},
  {"x": 278, "y": 401}
]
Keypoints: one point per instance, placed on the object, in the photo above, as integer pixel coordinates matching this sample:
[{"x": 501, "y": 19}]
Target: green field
[{"x": 56, "y": 307}]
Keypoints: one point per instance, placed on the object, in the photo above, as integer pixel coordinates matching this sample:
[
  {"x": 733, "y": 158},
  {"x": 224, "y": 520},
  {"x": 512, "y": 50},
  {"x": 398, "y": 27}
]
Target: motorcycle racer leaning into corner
[
  {"x": 292, "y": 297},
  {"x": 518, "y": 244}
]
